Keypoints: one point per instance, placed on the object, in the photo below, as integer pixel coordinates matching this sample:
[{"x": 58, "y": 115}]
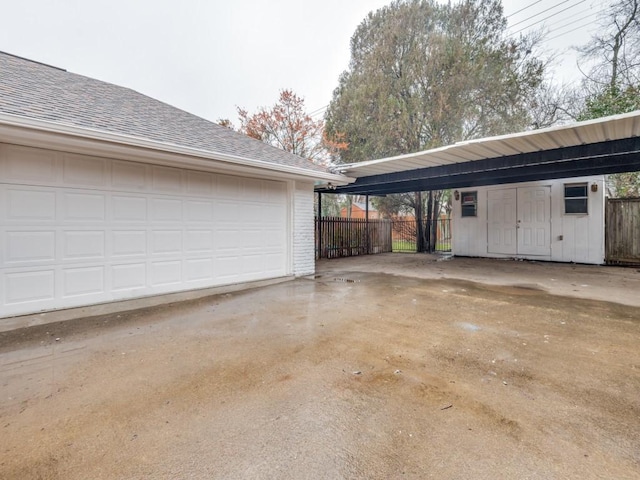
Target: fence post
[
  {"x": 366, "y": 226},
  {"x": 319, "y": 224}
]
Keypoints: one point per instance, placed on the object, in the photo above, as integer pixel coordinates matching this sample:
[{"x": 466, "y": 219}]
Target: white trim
[
  {"x": 614, "y": 127},
  {"x": 21, "y": 130}
]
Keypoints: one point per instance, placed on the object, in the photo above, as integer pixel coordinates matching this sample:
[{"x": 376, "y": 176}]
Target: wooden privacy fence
[
  {"x": 622, "y": 231},
  {"x": 347, "y": 237}
]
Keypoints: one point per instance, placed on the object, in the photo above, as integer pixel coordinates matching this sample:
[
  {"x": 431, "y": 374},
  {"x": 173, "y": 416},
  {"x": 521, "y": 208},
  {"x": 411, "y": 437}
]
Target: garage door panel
[
  {"x": 129, "y": 208},
  {"x": 227, "y": 239},
  {"x": 80, "y": 170},
  {"x": 227, "y": 186},
  {"x": 27, "y": 247},
  {"x": 129, "y": 276},
  {"x": 129, "y": 175},
  {"x": 29, "y": 286},
  {"x": 198, "y": 269},
  {"x": 166, "y": 210},
  {"x": 166, "y": 179},
  {"x": 166, "y": 242},
  {"x": 252, "y": 190},
  {"x": 273, "y": 238},
  {"x": 165, "y": 272},
  {"x": 105, "y": 230},
  {"x": 226, "y": 268},
  {"x": 273, "y": 192},
  {"x": 83, "y": 281},
  {"x": 226, "y": 211},
  {"x": 253, "y": 213},
  {"x": 85, "y": 207},
  {"x": 28, "y": 204},
  {"x": 199, "y": 241},
  {"x": 28, "y": 165},
  {"x": 252, "y": 266},
  {"x": 276, "y": 212},
  {"x": 199, "y": 211},
  {"x": 274, "y": 263},
  {"x": 252, "y": 239},
  {"x": 128, "y": 243},
  {"x": 200, "y": 183},
  {"x": 83, "y": 244}
]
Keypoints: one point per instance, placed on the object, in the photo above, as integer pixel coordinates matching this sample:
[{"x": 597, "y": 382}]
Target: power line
[
  {"x": 548, "y": 17},
  {"x": 569, "y": 31},
  {"x": 540, "y": 13},
  {"x": 318, "y": 110},
  {"x": 572, "y": 21},
  {"x": 524, "y": 8}
]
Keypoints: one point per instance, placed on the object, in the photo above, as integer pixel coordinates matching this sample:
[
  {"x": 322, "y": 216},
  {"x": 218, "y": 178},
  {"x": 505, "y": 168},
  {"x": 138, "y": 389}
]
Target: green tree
[
  {"x": 610, "y": 101},
  {"x": 424, "y": 74}
]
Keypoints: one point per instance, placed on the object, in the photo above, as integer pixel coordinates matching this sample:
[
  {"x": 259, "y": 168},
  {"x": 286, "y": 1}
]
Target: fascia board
[{"x": 44, "y": 134}]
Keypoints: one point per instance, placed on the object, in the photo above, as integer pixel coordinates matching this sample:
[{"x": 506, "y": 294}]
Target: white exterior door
[
  {"x": 502, "y": 221},
  {"x": 77, "y": 230},
  {"x": 534, "y": 221},
  {"x": 519, "y": 221}
]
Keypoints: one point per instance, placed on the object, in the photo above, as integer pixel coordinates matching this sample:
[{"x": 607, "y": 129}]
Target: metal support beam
[
  {"x": 366, "y": 216},
  {"x": 319, "y": 220},
  {"x": 614, "y": 156}
]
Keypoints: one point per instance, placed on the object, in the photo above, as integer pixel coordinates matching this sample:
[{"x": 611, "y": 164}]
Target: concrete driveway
[{"x": 390, "y": 366}]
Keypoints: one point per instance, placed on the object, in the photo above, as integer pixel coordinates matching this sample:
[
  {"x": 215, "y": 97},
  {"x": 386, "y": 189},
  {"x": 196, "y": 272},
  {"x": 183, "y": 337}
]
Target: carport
[{"x": 595, "y": 147}]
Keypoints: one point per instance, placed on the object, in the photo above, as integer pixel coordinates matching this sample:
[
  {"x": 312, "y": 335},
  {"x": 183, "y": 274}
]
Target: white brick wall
[{"x": 303, "y": 230}]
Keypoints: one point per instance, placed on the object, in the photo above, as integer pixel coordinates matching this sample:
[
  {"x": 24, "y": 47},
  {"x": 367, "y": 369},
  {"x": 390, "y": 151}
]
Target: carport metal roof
[{"x": 593, "y": 147}]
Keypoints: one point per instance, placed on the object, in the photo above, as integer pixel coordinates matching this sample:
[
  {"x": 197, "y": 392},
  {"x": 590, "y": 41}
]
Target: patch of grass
[{"x": 403, "y": 246}]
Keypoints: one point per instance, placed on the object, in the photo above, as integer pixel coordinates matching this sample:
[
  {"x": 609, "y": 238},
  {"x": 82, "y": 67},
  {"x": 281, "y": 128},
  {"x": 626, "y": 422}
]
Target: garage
[
  {"x": 79, "y": 229},
  {"x": 107, "y": 195}
]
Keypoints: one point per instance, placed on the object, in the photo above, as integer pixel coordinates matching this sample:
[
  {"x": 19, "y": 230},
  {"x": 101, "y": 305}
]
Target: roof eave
[
  {"x": 65, "y": 137},
  {"x": 391, "y": 163}
]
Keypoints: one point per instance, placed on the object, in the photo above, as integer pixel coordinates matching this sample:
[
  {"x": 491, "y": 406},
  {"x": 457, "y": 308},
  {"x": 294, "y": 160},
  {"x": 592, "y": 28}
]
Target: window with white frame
[
  {"x": 469, "y": 204},
  {"x": 576, "y": 199}
]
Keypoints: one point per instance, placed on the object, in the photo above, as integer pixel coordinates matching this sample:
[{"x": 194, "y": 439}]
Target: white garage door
[{"x": 78, "y": 230}]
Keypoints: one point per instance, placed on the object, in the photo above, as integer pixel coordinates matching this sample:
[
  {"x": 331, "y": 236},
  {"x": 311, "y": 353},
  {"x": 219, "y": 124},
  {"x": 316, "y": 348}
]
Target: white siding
[
  {"x": 304, "y": 230},
  {"x": 77, "y": 230},
  {"x": 574, "y": 238}
]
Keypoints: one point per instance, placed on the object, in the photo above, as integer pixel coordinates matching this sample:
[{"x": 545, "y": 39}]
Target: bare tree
[{"x": 614, "y": 52}]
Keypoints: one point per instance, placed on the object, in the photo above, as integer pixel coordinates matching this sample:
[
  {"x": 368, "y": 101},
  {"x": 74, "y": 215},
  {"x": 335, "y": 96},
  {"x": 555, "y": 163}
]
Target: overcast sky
[{"x": 207, "y": 57}]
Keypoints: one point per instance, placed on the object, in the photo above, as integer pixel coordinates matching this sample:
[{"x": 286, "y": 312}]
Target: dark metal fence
[
  {"x": 622, "y": 231},
  {"x": 347, "y": 237},
  {"x": 437, "y": 235}
]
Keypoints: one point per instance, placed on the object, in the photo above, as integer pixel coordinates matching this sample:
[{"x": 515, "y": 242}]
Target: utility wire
[
  {"x": 548, "y": 17},
  {"x": 569, "y": 31},
  {"x": 524, "y": 8},
  {"x": 318, "y": 111},
  {"x": 572, "y": 21},
  {"x": 540, "y": 13}
]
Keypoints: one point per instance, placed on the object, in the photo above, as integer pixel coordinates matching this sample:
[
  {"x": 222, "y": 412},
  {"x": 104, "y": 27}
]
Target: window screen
[
  {"x": 576, "y": 198},
  {"x": 469, "y": 204}
]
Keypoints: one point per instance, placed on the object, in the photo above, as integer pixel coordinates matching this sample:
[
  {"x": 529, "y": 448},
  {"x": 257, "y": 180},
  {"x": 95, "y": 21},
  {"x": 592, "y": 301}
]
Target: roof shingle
[{"x": 38, "y": 91}]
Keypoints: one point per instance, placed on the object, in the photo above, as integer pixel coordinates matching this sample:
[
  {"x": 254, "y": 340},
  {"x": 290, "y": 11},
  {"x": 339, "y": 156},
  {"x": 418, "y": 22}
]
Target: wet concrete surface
[{"x": 353, "y": 374}]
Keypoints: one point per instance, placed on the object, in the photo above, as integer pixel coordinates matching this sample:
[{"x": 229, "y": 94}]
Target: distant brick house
[{"x": 359, "y": 210}]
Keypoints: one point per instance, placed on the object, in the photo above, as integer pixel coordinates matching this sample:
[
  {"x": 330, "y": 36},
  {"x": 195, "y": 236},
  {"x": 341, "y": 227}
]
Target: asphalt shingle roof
[{"x": 38, "y": 91}]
